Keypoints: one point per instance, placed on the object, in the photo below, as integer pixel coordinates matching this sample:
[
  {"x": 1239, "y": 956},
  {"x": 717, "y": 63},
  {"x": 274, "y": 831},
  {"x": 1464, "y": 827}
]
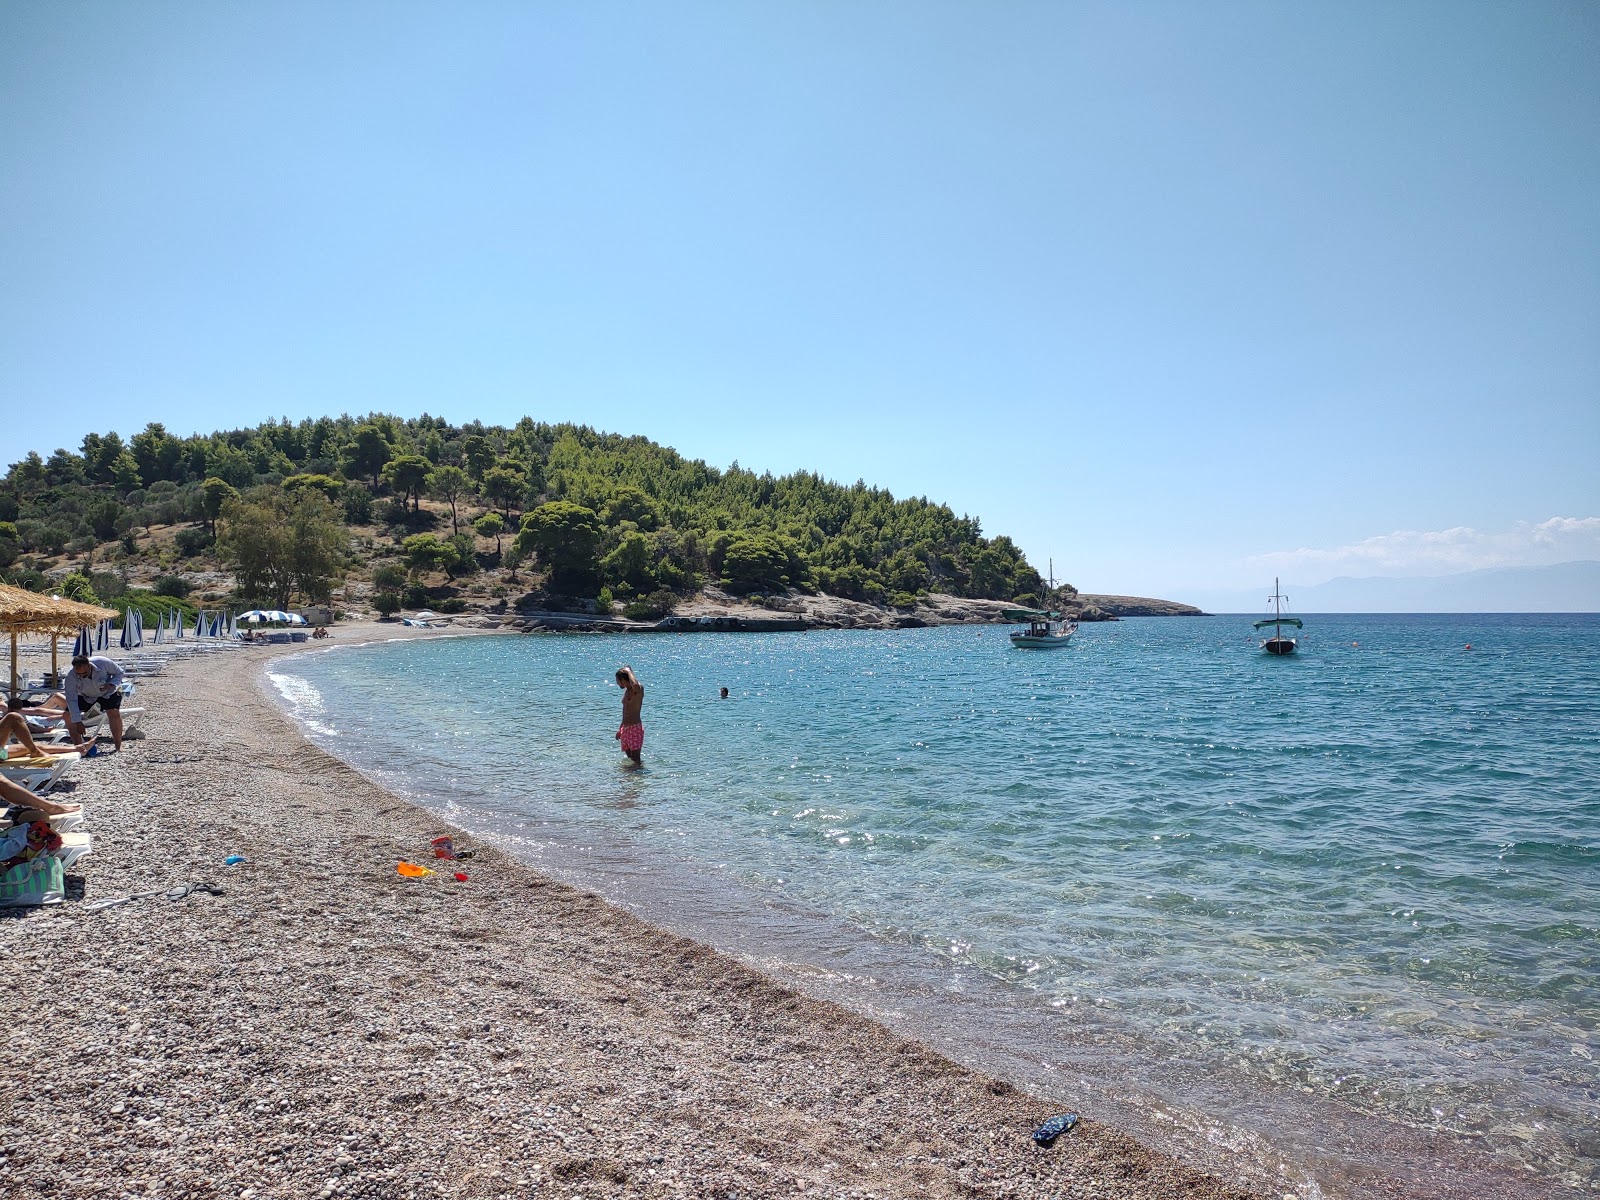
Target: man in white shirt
[{"x": 92, "y": 681}]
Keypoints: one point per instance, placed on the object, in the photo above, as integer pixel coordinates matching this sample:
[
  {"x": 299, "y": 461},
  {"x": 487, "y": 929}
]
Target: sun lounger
[
  {"x": 75, "y": 847},
  {"x": 40, "y": 774}
]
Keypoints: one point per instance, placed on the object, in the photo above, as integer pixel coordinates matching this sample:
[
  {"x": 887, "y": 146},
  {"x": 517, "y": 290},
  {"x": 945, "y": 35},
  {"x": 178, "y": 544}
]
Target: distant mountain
[{"x": 1564, "y": 587}]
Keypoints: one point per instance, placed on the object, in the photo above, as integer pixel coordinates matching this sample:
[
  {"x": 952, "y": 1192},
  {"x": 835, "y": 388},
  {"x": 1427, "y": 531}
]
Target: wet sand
[{"x": 328, "y": 1028}]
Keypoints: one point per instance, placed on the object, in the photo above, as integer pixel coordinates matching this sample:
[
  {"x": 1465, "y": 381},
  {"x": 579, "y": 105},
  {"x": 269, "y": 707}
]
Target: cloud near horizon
[{"x": 1443, "y": 552}]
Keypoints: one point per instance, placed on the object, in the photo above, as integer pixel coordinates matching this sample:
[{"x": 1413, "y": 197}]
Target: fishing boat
[
  {"x": 1045, "y": 631},
  {"x": 1278, "y": 643}
]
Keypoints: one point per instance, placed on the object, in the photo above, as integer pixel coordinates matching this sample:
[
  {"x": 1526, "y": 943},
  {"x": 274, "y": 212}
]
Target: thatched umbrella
[{"x": 23, "y": 611}]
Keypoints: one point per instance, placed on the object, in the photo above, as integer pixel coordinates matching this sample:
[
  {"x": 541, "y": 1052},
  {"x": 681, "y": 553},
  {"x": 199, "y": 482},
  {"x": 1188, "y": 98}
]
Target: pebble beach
[{"x": 328, "y": 1028}]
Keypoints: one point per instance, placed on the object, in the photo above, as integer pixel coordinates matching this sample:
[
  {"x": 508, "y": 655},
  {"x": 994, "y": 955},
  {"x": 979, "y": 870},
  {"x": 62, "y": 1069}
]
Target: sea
[{"x": 1321, "y": 909}]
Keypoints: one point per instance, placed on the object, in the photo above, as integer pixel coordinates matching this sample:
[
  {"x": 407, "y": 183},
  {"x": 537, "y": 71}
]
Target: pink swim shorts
[{"x": 631, "y": 737}]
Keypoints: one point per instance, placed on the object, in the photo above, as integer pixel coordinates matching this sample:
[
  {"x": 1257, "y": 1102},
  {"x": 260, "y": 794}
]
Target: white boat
[
  {"x": 1278, "y": 644},
  {"x": 1045, "y": 631}
]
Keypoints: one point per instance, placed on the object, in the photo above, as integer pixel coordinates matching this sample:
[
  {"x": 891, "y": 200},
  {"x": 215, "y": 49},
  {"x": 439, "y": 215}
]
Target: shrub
[
  {"x": 175, "y": 586},
  {"x": 451, "y": 604},
  {"x": 652, "y": 607},
  {"x": 902, "y": 600},
  {"x": 605, "y": 601},
  {"x": 357, "y": 505},
  {"x": 193, "y": 540},
  {"x": 387, "y": 604},
  {"x": 415, "y": 596},
  {"x": 390, "y": 577},
  {"x": 76, "y": 586}
]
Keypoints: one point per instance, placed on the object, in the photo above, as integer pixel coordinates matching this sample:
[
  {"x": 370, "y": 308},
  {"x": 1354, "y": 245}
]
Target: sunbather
[
  {"x": 14, "y": 727},
  {"x": 17, "y": 796}
]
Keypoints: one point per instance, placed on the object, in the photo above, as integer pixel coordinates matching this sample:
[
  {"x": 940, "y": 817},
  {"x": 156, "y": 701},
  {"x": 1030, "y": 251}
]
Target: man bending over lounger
[
  {"x": 91, "y": 681},
  {"x": 631, "y": 732}
]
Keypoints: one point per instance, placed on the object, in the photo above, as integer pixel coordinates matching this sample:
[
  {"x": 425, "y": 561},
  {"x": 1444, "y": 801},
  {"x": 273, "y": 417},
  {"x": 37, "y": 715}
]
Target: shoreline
[{"x": 452, "y": 1035}]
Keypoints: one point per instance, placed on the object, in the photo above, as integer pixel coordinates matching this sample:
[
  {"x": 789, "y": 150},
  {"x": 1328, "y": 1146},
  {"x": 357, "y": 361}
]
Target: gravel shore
[{"x": 328, "y": 1028}]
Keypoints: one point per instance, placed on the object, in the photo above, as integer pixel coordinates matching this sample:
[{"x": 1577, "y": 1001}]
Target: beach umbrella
[
  {"x": 199, "y": 623},
  {"x": 84, "y": 646},
  {"x": 138, "y": 628},
  {"x": 22, "y": 611},
  {"x": 125, "y": 637},
  {"x": 160, "y": 630}
]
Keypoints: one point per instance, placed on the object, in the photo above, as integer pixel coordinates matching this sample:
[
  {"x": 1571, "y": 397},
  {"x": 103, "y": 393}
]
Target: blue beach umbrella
[
  {"x": 125, "y": 637},
  {"x": 84, "y": 646},
  {"x": 138, "y": 628}
]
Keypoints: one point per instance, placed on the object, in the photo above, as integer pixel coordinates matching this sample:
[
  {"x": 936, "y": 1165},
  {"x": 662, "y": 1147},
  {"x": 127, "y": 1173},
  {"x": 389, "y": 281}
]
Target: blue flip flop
[{"x": 1054, "y": 1128}]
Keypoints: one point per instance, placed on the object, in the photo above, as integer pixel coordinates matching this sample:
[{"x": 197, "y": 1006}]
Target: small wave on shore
[{"x": 303, "y": 700}]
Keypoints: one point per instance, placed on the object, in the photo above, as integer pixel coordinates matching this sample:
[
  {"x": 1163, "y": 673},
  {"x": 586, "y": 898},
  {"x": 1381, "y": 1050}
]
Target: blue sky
[{"x": 1181, "y": 296}]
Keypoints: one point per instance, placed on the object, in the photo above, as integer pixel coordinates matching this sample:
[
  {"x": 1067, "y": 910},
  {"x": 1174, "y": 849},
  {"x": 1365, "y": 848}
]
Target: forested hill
[{"x": 293, "y": 508}]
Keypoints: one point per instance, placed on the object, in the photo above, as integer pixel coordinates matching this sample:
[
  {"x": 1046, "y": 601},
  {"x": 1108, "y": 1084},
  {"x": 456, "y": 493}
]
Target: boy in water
[{"x": 631, "y": 732}]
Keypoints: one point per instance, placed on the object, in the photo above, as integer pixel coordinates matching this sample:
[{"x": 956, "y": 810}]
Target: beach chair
[
  {"x": 40, "y": 774},
  {"x": 75, "y": 847}
]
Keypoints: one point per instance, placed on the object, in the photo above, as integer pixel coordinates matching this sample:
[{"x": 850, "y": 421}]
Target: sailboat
[{"x": 1277, "y": 643}]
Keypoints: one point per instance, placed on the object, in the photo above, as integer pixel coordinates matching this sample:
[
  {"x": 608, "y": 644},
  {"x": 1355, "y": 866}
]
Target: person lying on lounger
[
  {"x": 14, "y": 728},
  {"x": 18, "y": 796}
]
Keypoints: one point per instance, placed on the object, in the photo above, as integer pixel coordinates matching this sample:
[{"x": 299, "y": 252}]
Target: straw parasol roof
[{"x": 22, "y": 611}]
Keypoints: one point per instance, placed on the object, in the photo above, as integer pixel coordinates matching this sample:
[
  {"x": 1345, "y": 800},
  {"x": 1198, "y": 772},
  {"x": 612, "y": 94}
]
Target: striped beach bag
[{"x": 41, "y": 881}]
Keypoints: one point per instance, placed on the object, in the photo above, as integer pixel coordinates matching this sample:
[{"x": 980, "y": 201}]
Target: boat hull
[
  {"x": 1023, "y": 641},
  {"x": 1279, "y": 646}
]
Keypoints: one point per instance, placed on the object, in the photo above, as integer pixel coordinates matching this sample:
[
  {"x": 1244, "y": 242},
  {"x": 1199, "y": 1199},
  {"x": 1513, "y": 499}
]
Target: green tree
[
  {"x": 491, "y": 524},
  {"x": 630, "y": 504},
  {"x": 478, "y": 455},
  {"x": 449, "y": 484},
  {"x": 566, "y": 537},
  {"x": 757, "y": 562},
  {"x": 503, "y": 484},
  {"x": 426, "y": 553},
  {"x": 632, "y": 562},
  {"x": 387, "y": 604},
  {"x": 214, "y": 493},
  {"x": 357, "y": 503},
  {"x": 511, "y": 560},
  {"x": 365, "y": 455},
  {"x": 326, "y": 484},
  {"x": 125, "y": 473},
  {"x": 10, "y": 543},
  {"x": 280, "y": 544},
  {"x": 389, "y": 577},
  {"x": 408, "y": 475},
  {"x": 157, "y": 454}
]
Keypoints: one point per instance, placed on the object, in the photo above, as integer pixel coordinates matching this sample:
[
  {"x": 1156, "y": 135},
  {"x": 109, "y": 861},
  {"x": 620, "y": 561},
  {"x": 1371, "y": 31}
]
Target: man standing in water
[{"x": 631, "y": 732}]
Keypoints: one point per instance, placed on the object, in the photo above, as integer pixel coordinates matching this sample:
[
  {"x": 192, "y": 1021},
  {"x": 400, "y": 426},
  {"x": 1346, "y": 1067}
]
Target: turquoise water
[{"x": 1371, "y": 871}]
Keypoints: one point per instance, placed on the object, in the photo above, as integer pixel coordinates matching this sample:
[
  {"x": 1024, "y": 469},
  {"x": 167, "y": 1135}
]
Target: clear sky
[{"x": 1179, "y": 295}]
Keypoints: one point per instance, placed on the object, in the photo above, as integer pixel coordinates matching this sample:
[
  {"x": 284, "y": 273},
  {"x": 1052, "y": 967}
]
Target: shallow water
[{"x": 1370, "y": 871}]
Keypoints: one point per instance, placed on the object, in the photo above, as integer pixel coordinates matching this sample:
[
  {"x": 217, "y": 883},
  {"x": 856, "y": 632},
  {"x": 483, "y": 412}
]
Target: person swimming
[{"x": 631, "y": 732}]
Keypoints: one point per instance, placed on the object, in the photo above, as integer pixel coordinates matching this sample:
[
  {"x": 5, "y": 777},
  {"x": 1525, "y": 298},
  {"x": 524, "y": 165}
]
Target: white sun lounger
[
  {"x": 40, "y": 774},
  {"x": 75, "y": 847}
]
